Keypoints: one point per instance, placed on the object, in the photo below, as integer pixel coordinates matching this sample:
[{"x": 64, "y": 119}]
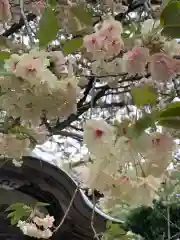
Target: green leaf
[
  {"x": 144, "y": 95},
  {"x": 172, "y": 110},
  {"x": 15, "y": 206},
  {"x": 4, "y": 55},
  {"x": 114, "y": 231},
  {"x": 5, "y": 73},
  {"x": 48, "y": 27},
  {"x": 21, "y": 213},
  {"x": 165, "y": 3},
  {"x": 83, "y": 15},
  {"x": 170, "y": 123},
  {"x": 72, "y": 45},
  {"x": 42, "y": 204},
  {"x": 14, "y": 221},
  {"x": 109, "y": 224},
  {"x": 142, "y": 124},
  {"x": 170, "y": 19},
  {"x": 175, "y": 175},
  {"x": 52, "y": 2},
  {"x": 12, "y": 214}
]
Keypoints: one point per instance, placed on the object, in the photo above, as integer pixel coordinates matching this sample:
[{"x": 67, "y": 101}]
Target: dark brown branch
[
  {"x": 76, "y": 136},
  {"x": 80, "y": 107},
  {"x": 73, "y": 117},
  {"x": 87, "y": 90},
  {"x": 80, "y": 110},
  {"x": 76, "y": 128},
  {"x": 17, "y": 26},
  {"x": 111, "y": 105}
]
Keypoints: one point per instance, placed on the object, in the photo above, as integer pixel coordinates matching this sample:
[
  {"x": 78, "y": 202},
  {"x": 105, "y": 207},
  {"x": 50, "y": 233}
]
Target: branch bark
[{"x": 17, "y": 26}]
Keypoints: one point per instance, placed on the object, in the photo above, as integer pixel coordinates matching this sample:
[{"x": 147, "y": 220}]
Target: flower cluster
[
  {"x": 38, "y": 228},
  {"x": 5, "y": 13},
  {"x": 123, "y": 164},
  {"x": 14, "y": 146},
  {"x": 37, "y": 6},
  {"x": 32, "y": 88},
  {"x": 141, "y": 59},
  {"x": 106, "y": 42},
  {"x": 20, "y": 140},
  {"x": 42, "y": 84}
]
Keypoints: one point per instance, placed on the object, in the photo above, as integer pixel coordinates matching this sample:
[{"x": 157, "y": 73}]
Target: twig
[
  {"x": 17, "y": 26},
  {"x": 176, "y": 87},
  {"x": 21, "y": 2},
  {"x": 76, "y": 136},
  {"x": 168, "y": 222},
  {"x": 175, "y": 236},
  {"x": 68, "y": 209},
  {"x": 92, "y": 218},
  {"x": 105, "y": 76}
]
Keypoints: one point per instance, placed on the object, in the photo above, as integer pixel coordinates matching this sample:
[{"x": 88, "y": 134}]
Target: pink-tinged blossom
[
  {"x": 38, "y": 6},
  {"x": 58, "y": 57},
  {"x": 162, "y": 67},
  {"x": 98, "y": 134},
  {"x": 29, "y": 68},
  {"x": 11, "y": 63},
  {"x": 111, "y": 27},
  {"x": 106, "y": 41},
  {"x": 177, "y": 66},
  {"x": 136, "y": 60},
  {"x": 113, "y": 46},
  {"x": 158, "y": 154},
  {"x": 161, "y": 143},
  {"x": 59, "y": 62},
  {"x": 46, "y": 222},
  {"x": 93, "y": 43},
  {"x": 5, "y": 13},
  {"x": 124, "y": 179}
]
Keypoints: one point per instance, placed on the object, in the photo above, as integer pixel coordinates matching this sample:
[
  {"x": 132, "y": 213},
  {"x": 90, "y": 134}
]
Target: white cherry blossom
[
  {"x": 11, "y": 63},
  {"x": 136, "y": 60},
  {"x": 46, "y": 222},
  {"x": 148, "y": 26},
  {"x": 162, "y": 67},
  {"x": 5, "y": 12},
  {"x": 98, "y": 137}
]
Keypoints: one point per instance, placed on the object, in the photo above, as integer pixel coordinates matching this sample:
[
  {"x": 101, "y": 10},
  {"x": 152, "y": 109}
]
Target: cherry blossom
[
  {"x": 171, "y": 47},
  {"x": 159, "y": 154},
  {"x": 59, "y": 62},
  {"x": 30, "y": 69},
  {"x": 144, "y": 191},
  {"x": 46, "y": 222},
  {"x": 98, "y": 134},
  {"x": 111, "y": 27},
  {"x": 17, "y": 163},
  {"x": 5, "y": 13},
  {"x": 37, "y": 87},
  {"x": 162, "y": 67},
  {"x": 113, "y": 45},
  {"x": 148, "y": 26},
  {"x": 136, "y": 60},
  {"x": 93, "y": 43},
  {"x": 37, "y": 6},
  {"x": 30, "y": 229},
  {"x": 11, "y": 63},
  {"x": 45, "y": 83},
  {"x": 106, "y": 41},
  {"x": 13, "y": 147}
]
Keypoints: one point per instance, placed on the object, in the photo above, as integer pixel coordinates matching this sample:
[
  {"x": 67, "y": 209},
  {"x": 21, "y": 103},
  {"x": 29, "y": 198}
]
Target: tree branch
[
  {"x": 17, "y": 26},
  {"x": 76, "y": 136}
]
